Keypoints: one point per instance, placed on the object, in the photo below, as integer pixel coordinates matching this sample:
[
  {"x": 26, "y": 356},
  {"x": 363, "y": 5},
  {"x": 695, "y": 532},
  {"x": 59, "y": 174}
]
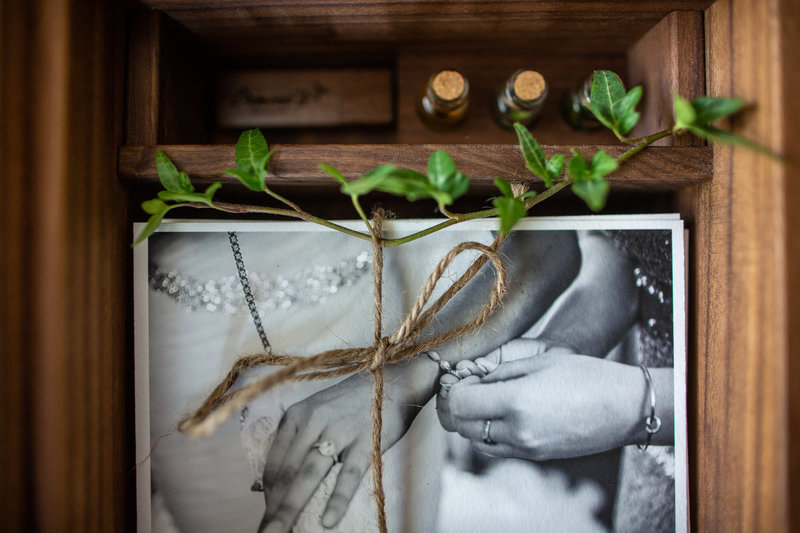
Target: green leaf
[
  {"x": 157, "y": 209},
  {"x": 725, "y": 137},
  {"x": 504, "y": 186},
  {"x": 443, "y": 176},
  {"x": 457, "y": 185},
  {"x": 555, "y": 166},
  {"x": 612, "y": 105},
  {"x": 509, "y": 210},
  {"x": 625, "y": 110},
  {"x": 592, "y": 191},
  {"x": 368, "y": 182},
  {"x": 203, "y": 198},
  {"x": 440, "y": 168},
  {"x": 577, "y": 167},
  {"x": 685, "y": 115},
  {"x": 602, "y": 164},
  {"x": 607, "y": 89},
  {"x": 252, "y": 155},
  {"x": 333, "y": 172},
  {"x": 170, "y": 177},
  {"x": 248, "y": 180},
  {"x": 535, "y": 159},
  {"x": 709, "y": 108},
  {"x": 403, "y": 182},
  {"x": 151, "y": 207},
  {"x": 628, "y": 121}
]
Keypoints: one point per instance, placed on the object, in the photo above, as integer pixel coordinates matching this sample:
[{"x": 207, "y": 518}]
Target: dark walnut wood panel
[
  {"x": 675, "y": 46},
  {"x": 252, "y": 28},
  {"x": 659, "y": 168}
]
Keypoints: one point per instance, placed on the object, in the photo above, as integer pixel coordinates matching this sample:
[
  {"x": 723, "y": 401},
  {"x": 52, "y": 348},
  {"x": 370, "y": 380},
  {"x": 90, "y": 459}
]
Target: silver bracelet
[{"x": 651, "y": 423}]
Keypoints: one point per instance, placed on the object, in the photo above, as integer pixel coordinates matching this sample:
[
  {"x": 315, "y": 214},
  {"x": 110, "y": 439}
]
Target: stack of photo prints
[{"x": 564, "y": 412}]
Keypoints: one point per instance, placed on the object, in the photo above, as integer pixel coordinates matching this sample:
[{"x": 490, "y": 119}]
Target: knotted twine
[{"x": 401, "y": 345}]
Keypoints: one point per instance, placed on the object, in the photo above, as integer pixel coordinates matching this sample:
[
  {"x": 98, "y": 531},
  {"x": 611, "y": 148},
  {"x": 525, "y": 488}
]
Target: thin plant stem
[
  {"x": 361, "y": 213},
  {"x": 643, "y": 143},
  {"x": 282, "y": 199},
  {"x": 458, "y": 218}
]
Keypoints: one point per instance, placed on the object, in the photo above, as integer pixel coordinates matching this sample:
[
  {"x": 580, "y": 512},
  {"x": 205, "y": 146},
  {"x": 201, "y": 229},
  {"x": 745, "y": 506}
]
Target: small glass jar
[
  {"x": 575, "y": 110},
  {"x": 521, "y": 99},
  {"x": 444, "y": 100}
]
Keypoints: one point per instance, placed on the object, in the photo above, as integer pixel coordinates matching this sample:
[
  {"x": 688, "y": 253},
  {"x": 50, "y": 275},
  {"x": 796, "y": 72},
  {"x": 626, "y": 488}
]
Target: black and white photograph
[{"x": 564, "y": 412}]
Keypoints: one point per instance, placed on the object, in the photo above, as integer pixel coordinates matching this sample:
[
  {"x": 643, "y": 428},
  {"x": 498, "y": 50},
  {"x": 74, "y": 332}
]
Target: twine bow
[{"x": 401, "y": 345}]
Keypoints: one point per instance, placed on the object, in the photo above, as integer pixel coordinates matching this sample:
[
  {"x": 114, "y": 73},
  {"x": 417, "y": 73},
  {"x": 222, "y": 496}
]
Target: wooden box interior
[{"x": 103, "y": 84}]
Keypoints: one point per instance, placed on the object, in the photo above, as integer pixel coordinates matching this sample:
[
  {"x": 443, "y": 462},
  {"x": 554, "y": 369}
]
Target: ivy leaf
[
  {"x": 625, "y": 109},
  {"x": 509, "y": 210},
  {"x": 203, "y": 198},
  {"x": 685, "y": 114},
  {"x": 504, "y": 186},
  {"x": 555, "y": 166},
  {"x": 252, "y": 155},
  {"x": 696, "y": 115},
  {"x": 440, "y": 168},
  {"x": 156, "y": 209},
  {"x": 250, "y": 181},
  {"x": 593, "y": 191},
  {"x": 457, "y": 186},
  {"x": 535, "y": 158},
  {"x": 368, "y": 182},
  {"x": 709, "y": 108},
  {"x": 333, "y": 172},
  {"x": 577, "y": 167},
  {"x": 602, "y": 164},
  {"x": 444, "y": 177},
  {"x": 613, "y": 106},
  {"x": 151, "y": 207},
  {"x": 589, "y": 184},
  {"x": 404, "y": 182},
  {"x": 170, "y": 177},
  {"x": 725, "y": 137}
]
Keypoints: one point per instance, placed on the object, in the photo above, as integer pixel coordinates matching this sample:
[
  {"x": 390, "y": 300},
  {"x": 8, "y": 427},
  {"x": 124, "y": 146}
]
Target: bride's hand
[
  {"x": 341, "y": 415},
  {"x": 481, "y": 367},
  {"x": 550, "y": 406}
]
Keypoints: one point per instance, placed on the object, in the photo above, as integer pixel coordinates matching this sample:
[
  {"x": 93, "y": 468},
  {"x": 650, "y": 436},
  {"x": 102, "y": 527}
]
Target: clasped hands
[{"x": 553, "y": 404}]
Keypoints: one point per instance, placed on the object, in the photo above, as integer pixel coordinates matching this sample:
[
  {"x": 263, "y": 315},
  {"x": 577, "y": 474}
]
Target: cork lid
[
  {"x": 448, "y": 84},
  {"x": 529, "y": 85}
]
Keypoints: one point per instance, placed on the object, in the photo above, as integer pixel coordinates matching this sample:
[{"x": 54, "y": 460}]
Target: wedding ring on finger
[
  {"x": 487, "y": 439},
  {"x": 327, "y": 448}
]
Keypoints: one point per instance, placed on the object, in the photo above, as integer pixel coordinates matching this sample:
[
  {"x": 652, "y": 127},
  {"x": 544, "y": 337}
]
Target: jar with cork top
[
  {"x": 444, "y": 100},
  {"x": 521, "y": 98},
  {"x": 575, "y": 107}
]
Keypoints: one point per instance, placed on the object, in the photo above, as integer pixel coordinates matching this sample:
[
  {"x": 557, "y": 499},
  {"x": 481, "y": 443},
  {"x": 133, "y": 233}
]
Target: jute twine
[{"x": 401, "y": 345}]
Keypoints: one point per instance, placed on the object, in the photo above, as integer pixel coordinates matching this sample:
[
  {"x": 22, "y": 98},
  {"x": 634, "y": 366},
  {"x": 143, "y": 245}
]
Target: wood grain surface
[
  {"x": 664, "y": 168},
  {"x": 669, "y": 59},
  {"x": 236, "y": 29},
  {"x": 744, "y": 284},
  {"x": 65, "y": 265}
]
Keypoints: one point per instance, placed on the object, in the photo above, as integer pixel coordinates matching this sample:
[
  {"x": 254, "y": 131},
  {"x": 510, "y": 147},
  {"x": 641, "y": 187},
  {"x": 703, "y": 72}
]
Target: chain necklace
[{"x": 248, "y": 292}]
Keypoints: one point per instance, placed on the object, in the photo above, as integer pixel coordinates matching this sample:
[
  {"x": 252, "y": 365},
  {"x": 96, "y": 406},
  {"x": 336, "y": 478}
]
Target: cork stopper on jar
[
  {"x": 529, "y": 85},
  {"x": 448, "y": 84}
]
